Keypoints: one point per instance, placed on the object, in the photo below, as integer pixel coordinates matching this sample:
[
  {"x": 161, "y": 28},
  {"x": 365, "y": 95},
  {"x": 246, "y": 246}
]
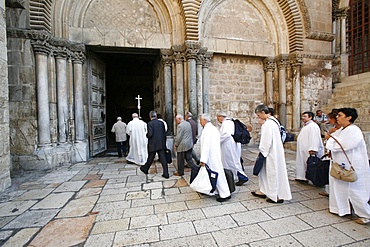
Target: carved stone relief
[{"x": 134, "y": 20}]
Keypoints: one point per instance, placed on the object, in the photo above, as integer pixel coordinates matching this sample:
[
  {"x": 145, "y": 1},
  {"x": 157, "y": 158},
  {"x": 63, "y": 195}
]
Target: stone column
[
  {"x": 343, "y": 41},
  {"x": 207, "y": 56},
  {"x": 62, "y": 94},
  {"x": 179, "y": 63},
  {"x": 192, "y": 50},
  {"x": 283, "y": 63},
  {"x": 167, "y": 59},
  {"x": 334, "y": 30},
  {"x": 296, "y": 63},
  {"x": 199, "y": 60},
  {"x": 41, "y": 50},
  {"x": 337, "y": 34},
  {"x": 78, "y": 60},
  {"x": 269, "y": 67},
  {"x": 71, "y": 130}
]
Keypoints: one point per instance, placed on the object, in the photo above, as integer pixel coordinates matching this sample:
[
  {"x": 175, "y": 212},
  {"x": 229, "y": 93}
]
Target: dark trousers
[
  {"x": 121, "y": 148},
  {"x": 181, "y": 156},
  {"x": 162, "y": 159}
]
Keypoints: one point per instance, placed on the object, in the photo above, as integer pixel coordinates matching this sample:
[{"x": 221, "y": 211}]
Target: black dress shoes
[
  {"x": 220, "y": 199},
  {"x": 258, "y": 195},
  {"x": 141, "y": 169},
  {"x": 278, "y": 201},
  {"x": 165, "y": 176},
  {"x": 241, "y": 182}
]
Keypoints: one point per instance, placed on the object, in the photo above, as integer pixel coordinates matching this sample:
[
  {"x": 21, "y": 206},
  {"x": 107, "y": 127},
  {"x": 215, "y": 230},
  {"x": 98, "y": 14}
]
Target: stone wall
[
  {"x": 354, "y": 92},
  {"x": 4, "y": 106},
  {"x": 236, "y": 86}
]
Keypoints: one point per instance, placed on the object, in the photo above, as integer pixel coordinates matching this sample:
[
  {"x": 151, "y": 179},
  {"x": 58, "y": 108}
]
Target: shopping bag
[
  {"x": 201, "y": 182},
  {"x": 212, "y": 178}
]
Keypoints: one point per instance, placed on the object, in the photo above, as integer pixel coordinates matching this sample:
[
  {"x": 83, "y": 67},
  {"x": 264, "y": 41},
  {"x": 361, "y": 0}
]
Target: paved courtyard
[{"x": 107, "y": 202}]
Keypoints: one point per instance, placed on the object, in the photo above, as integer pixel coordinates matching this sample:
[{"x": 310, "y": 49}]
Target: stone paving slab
[
  {"x": 15, "y": 207},
  {"x": 64, "y": 232},
  {"x": 32, "y": 218},
  {"x": 106, "y": 202},
  {"x": 54, "y": 200}
]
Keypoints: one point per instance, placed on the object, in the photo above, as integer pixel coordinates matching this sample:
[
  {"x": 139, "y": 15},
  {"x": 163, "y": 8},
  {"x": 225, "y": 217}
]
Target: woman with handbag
[{"x": 348, "y": 149}]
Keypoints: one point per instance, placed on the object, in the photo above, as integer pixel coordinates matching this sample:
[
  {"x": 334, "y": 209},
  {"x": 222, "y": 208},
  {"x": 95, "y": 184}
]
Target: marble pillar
[
  {"x": 192, "y": 50},
  {"x": 179, "y": 63},
  {"x": 334, "y": 30},
  {"x": 337, "y": 34},
  {"x": 283, "y": 63},
  {"x": 199, "y": 87},
  {"x": 78, "y": 97},
  {"x": 167, "y": 59},
  {"x": 296, "y": 64},
  {"x": 62, "y": 96},
  {"x": 205, "y": 73},
  {"x": 71, "y": 130},
  {"x": 43, "y": 114},
  {"x": 269, "y": 67},
  {"x": 343, "y": 41}
]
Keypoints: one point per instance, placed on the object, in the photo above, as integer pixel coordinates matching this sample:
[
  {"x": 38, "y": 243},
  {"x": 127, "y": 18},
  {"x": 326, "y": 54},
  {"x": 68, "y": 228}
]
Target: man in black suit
[{"x": 156, "y": 144}]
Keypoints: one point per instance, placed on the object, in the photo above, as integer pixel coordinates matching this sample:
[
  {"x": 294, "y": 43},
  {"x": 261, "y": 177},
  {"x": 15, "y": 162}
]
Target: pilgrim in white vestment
[
  {"x": 273, "y": 178},
  {"x": 137, "y": 130},
  {"x": 230, "y": 151},
  {"x": 211, "y": 155},
  {"x": 342, "y": 193},
  {"x": 309, "y": 139}
]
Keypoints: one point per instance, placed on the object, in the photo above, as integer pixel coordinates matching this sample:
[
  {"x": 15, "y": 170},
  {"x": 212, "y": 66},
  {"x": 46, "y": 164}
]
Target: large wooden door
[{"x": 97, "y": 105}]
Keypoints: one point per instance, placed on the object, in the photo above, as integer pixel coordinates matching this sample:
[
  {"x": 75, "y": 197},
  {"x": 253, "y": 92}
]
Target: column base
[
  {"x": 46, "y": 157},
  {"x": 81, "y": 151}
]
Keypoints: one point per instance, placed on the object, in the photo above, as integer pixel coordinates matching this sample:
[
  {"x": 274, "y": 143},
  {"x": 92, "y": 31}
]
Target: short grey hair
[
  {"x": 134, "y": 115},
  {"x": 221, "y": 113},
  {"x": 152, "y": 114},
  {"x": 189, "y": 114},
  {"x": 179, "y": 116},
  {"x": 207, "y": 117},
  {"x": 119, "y": 118},
  {"x": 262, "y": 108}
]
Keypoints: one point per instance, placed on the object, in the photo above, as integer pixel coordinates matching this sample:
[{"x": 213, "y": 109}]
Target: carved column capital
[
  {"x": 61, "y": 52},
  {"x": 78, "y": 57},
  {"x": 282, "y": 61},
  {"x": 296, "y": 59},
  {"x": 343, "y": 13},
  {"x": 206, "y": 58},
  {"x": 167, "y": 56},
  {"x": 192, "y": 49},
  {"x": 269, "y": 64},
  {"x": 41, "y": 46}
]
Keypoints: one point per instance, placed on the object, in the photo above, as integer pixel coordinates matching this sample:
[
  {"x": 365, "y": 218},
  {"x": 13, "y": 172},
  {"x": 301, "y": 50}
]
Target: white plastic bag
[{"x": 201, "y": 182}]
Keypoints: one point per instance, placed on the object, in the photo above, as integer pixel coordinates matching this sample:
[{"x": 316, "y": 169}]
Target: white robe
[
  {"x": 230, "y": 151},
  {"x": 210, "y": 154},
  {"x": 137, "y": 130},
  {"x": 341, "y": 192},
  {"x": 273, "y": 177},
  {"x": 308, "y": 139}
]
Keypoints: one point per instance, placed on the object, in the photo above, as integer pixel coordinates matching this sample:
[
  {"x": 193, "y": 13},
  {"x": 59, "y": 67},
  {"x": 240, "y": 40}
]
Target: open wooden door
[{"x": 97, "y": 105}]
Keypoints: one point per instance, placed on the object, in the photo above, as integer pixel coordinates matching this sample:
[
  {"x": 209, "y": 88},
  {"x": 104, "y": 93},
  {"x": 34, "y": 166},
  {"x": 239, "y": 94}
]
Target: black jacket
[{"x": 156, "y": 136}]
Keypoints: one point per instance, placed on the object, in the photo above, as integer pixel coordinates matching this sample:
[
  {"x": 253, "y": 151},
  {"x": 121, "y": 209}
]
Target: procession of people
[{"x": 219, "y": 153}]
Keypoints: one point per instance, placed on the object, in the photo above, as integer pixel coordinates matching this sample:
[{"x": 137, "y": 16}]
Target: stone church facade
[{"x": 58, "y": 59}]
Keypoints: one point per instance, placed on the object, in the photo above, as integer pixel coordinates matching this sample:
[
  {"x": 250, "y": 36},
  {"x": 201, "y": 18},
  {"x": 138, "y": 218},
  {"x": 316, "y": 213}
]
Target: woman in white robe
[
  {"x": 273, "y": 177},
  {"x": 210, "y": 154},
  {"x": 342, "y": 193}
]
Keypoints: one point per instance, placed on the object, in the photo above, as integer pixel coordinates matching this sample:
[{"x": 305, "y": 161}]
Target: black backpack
[{"x": 241, "y": 133}]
